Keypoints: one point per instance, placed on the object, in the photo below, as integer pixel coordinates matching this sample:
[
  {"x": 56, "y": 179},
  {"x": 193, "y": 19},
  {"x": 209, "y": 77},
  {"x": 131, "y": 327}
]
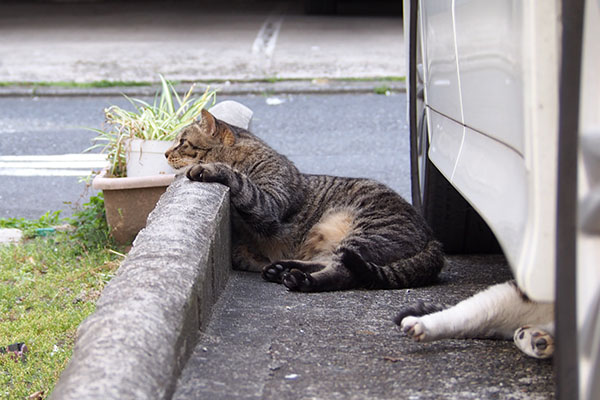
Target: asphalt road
[
  {"x": 202, "y": 40},
  {"x": 362, "y": 135}
]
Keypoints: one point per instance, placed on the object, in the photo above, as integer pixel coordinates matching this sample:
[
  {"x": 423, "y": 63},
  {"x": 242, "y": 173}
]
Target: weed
[
  {"x": 383, "y": 89},
  {"x": 161, "y": 120},
  {"x": 29, "y": 227},
  {"x": 91, "y": 228}
]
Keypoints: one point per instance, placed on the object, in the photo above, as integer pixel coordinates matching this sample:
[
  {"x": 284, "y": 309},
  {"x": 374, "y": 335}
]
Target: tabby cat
[
  {"x": 309, "y": 232},
  {"x": 501, "y": 311}
]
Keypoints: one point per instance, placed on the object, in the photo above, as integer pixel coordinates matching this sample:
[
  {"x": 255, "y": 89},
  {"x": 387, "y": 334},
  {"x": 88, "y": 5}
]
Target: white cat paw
[
  {"x": 534, "y": 342},
  {"x": 414, "y": 328}
]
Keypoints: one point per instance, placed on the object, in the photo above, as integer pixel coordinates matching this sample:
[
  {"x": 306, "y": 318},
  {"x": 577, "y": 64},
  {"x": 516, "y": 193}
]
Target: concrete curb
[
  {"x": 315, "y": 86},
  {"x": 149, "y": 315}
]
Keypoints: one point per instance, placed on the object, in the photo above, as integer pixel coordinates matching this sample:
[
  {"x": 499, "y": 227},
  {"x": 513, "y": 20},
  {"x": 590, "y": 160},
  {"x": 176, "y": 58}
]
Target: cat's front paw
[
  {"x": 414, "y": 328},
  {"x": 197, "y": 172},
  {"x": 534, "y": 342},
  {"x": 212, "y": 172},
  {"x": 297, "y": 280}
]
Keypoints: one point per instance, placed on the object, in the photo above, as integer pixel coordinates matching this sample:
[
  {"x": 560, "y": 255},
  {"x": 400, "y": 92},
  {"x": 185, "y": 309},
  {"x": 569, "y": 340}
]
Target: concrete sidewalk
[
  {"x": 192, "y": 41},
  {"x": 264, "y": 342}
]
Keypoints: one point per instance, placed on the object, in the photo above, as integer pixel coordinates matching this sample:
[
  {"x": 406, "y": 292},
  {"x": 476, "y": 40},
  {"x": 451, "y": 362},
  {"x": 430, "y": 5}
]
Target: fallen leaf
[
  {"x": 36, "y": 396},
  {"x": 392, "y": 359}
]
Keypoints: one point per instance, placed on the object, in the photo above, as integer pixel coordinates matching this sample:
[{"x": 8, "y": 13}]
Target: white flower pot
[{"x": 147, "y": 157}]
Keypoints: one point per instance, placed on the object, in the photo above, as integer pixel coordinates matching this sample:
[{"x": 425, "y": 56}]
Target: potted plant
[{"x": 135, "y": 143}]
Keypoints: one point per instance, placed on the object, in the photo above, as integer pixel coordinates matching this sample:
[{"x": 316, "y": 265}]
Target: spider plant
[{"x": 160, "y": 120}]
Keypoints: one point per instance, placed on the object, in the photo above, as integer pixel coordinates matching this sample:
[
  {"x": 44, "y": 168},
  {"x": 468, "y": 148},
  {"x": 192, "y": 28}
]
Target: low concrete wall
[{"x": 149, "y": 315}]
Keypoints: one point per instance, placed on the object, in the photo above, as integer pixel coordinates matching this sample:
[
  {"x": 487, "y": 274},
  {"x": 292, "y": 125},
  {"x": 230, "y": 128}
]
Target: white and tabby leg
[
  {"x": 416, "y": 329},
  {"x": 449, "y": 323},
  {"x": 493, "y": 313},
  {"x": 535, "y": 341}
]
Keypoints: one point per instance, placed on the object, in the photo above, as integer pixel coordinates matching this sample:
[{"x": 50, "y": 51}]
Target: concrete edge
[
  {"x": 314, "y": 86},
  {"x": 148, "y": 317}
]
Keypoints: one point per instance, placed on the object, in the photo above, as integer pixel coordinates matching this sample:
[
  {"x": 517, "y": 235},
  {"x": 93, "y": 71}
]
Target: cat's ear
[
  {"x": 208, "y": 123},
  {"x": 227, "y": 136},
  {"x": 211, "y": 127}
]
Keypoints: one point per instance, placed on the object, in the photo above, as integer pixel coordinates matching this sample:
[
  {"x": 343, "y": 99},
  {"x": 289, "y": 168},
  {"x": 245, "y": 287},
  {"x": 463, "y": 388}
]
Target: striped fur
[{"x": 309, "y": 232}]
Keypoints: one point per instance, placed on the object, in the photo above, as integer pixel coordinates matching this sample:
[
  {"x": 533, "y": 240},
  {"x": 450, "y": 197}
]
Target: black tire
[
  {"x": 324, "y": 7},
  {"x": 453, "y": 221}
]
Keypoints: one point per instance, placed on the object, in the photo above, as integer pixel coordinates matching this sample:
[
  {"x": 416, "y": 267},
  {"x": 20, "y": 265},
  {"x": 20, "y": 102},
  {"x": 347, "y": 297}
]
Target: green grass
[
  {"x": 48, "y": 286},
  {"x": 378, "y": 79},
  {"x": 29, "y": 227},
  {"x": 83, "y": 85},
  {"x": 108, "y": 83},
  {"x": 383, "y": 89}
]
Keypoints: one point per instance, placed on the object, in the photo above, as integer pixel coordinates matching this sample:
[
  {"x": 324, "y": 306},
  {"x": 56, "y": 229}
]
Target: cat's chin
[{"x": 181, "y": 169}]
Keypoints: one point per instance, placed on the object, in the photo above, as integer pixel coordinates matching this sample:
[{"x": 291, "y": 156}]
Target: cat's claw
[
  {"x": 209, "y": 172},
  {"x": 273, "y": 273},
  {"x": 195, "y": 173},
  {"x": 414, "y": 328},
  {"x": 534, "y": 342},
  {"x": 296, "y": 280}
]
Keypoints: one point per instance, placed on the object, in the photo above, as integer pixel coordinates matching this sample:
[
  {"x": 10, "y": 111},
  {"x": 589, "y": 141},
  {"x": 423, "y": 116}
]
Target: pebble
[{"x": 10, "y": 235}]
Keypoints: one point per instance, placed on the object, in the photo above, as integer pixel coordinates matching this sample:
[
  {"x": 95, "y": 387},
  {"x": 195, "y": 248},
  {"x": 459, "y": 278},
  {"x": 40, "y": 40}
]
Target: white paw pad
[
  {"x": 414, "y": 327},
  {"x": 534, "y": 342}
]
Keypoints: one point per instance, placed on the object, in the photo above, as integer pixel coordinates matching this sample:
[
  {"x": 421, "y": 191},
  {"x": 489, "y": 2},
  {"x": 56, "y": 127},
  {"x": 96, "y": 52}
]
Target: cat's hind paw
[
  {"x": 414, "y": 328},
  {"x": 534, "y": 342},
  {"x": 273, "y": 273},
  {"x": 296, "y": 280}
]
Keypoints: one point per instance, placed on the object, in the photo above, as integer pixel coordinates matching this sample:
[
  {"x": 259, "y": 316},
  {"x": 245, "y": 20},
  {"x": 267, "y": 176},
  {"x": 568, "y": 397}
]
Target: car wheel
[
  {"x": 453, "y": 221},
  {"x": 320, "y": 7}
]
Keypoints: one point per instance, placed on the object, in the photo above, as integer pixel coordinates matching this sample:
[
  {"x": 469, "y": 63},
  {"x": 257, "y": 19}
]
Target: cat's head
[{"x": 196, "y": 142}]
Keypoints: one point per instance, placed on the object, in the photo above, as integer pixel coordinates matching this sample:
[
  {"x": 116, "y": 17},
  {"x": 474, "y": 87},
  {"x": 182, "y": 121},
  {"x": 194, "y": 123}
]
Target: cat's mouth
[{"x": 179, "y": 164}]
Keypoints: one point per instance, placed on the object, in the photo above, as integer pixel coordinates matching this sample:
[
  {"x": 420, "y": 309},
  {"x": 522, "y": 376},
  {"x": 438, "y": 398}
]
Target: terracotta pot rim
[{"x": 102, "y": 182}]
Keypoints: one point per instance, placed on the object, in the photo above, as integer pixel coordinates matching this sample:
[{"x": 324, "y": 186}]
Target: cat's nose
[{"x": 167, "y": 153}]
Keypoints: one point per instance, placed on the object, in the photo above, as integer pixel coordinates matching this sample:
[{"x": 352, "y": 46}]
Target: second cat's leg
[{"x": 493, "y": 313}]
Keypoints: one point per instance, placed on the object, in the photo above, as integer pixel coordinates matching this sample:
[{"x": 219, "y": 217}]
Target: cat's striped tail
[{"x": 418, "y": 270}]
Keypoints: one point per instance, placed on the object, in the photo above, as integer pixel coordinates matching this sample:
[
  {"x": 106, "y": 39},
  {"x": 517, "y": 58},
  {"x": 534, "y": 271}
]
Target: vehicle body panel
[
  {"x": 491, "y": 95},
  {"x": 500, "y": 193},
  {"x": 440, "y": 65},
  {"x": 490, "y": 65}
]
